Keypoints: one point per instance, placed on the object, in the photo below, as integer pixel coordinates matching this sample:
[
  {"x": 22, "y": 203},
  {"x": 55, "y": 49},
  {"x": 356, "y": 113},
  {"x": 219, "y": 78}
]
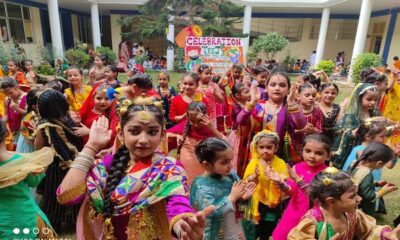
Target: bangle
[
  {"x": 91, "y": 148},
  {"x": 250, "y": 106},
  {"x": 381, "y": 192}
]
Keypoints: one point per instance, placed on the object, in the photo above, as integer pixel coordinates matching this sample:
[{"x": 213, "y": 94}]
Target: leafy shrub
[
  {"x": 45, "y": 69},
  {"x": 327, "y": 66},
  {"x": 77, "y": 57},
  {"x": 112, "y": 57},
  {"x": 362, "y": 61}
]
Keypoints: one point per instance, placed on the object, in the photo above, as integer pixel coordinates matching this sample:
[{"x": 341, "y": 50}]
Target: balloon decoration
[{"x": 190, "y": 31}]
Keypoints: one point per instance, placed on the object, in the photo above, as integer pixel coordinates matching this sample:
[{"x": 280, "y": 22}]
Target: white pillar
[
  {"x": 171, "y": 39},
  {"x": 55, "y": 28},
  {"x": 95, "y": 25},
  {"x": 246, "y": 30},
  {"x": 323, "y": 30},
  {"x": 362, "y": 30}
]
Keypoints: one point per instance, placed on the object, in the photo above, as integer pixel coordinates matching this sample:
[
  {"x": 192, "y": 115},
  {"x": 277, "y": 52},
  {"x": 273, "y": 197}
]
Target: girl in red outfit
[
  {"x": 98, "y": 103},
  {"x": 180, "y": 103}
]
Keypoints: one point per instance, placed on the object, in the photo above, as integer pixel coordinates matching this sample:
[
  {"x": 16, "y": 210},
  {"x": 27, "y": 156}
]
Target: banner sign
[{"x": 217, "y": 52}]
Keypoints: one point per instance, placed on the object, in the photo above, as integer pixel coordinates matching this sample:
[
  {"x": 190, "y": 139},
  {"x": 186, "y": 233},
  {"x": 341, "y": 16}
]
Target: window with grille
[{"x": 15, "y": 23}]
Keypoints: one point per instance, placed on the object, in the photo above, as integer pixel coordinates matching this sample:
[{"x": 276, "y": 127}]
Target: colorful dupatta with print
[{"x": 136, "y": 191}]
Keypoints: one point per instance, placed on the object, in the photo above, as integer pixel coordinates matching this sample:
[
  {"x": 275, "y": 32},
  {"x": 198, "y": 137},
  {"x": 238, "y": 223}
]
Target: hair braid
[
  {"x": 115, "y": 174},
  {"x": 59, "y": 145},
  {"x": 186, "y": 130}
]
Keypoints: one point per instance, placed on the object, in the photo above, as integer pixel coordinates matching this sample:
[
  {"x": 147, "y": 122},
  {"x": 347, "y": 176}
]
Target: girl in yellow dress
[{"x": 77, "y": 93}]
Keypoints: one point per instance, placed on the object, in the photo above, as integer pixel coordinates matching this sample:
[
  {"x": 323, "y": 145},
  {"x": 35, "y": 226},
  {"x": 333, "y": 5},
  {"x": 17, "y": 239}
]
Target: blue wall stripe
[{"x": 389, "y": 36}]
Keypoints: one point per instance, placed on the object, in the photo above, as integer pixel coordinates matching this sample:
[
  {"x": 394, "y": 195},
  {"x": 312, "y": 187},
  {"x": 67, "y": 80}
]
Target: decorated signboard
[{"x": 217, "y": 52}]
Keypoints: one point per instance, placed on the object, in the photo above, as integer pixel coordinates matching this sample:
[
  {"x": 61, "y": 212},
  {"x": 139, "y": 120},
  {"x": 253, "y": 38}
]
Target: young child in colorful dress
[
  {"x": 137, "y": 193},
  {"x": 167, "y": 93},
  {"x": 375, "y": 156},
  {"x": 335, "y": 215},
  {"x": 332, "y": 112},
  {"x": 221, "y": 187},
  {"x": 111, "y": 74},
  {"x": 265, "y": 206},
  {"x": 180, "y": 103},
  {"x": 77, "y": 93},
  {"x": 316, "y": 153},
  {"x": 244, "y": 98},
  {"x": 187, "y": 134},
  {"x": 315, "y": 118},
  {"x": 30, "y": 75},
  {"x": 15, "y": 72},
  {"x": 210, "y": 92},
  {"x": 55, "y": 130},
  {"x": 362, "y": 105},
  {"x": 19, "y": 172},
  {"x": 261, "y": 75},
  {"x": 15, "y": 106},
  {"x": 97, "y": 104}
]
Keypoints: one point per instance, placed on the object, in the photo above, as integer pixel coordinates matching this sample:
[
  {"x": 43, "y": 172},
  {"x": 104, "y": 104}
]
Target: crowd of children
[{"x": 257, "y": 155}]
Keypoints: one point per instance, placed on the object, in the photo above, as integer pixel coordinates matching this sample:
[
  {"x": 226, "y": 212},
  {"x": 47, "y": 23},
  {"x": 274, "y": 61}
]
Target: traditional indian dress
[
  {"x": 166, "y": 102},
  {"x": 370, "y": 203},
  {"x": 299, "y": 202},
  {"x": 239, "y": 137},
  {"x": 88, "y": 116},
  {"x": 178, "y": 107},
  {"x": 225, "y": 221},
  {"x": 392, "y": 108},
  {"x": 57, "y": 170},
  {"x": 208, "y": 98},
  {"x": 76, "y": 99},
  {"x": 148, "y": 201},
  {"x": 187, "y": 156},
  {"x": 19, "y": 77},
  {"x": 330, "y": 119},
  {"x": 352, "y": 118},
  {"x": 97, "y": 74},
  {"x": 27, "y": 137},
  {"x": 17, "y": 206},
  {"x": 282, "y": 122},
  {"x": 316, "y": 118},
  {"x": 315, "y": 226},
  {"x": 265, "y": 204}
]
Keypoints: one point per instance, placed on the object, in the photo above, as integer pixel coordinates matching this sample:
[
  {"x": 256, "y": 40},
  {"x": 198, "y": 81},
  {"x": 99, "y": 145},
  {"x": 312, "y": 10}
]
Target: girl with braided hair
[
  {"x": 55, "y": 130},
  {"x": 137, "y": 193},
  {"x": 188, "y": 133}
]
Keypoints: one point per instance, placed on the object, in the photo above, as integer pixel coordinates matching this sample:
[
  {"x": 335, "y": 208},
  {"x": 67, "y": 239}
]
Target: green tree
[
  {"x": 362, "y": 61},
  {"x": 269, "y": 44},
  {"x": 216, "y": 17}
]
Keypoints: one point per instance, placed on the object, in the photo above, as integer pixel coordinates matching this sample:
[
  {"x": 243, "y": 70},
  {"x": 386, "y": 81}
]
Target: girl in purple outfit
[
  {"x": 280, "y": 113},
  {"x": 137, "y": 193}
]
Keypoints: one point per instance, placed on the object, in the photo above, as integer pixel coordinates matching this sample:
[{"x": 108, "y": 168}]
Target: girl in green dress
[{"x": 20, "y": 216}]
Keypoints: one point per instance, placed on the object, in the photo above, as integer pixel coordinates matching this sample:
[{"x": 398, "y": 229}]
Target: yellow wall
[
  {"x": 395, "y": 46},
  {"x": 370, "y": 36},
  {"x": 75, "y": 27},
  {"x": 36, "y": 25},
  {"x": 116, "y": 37}
]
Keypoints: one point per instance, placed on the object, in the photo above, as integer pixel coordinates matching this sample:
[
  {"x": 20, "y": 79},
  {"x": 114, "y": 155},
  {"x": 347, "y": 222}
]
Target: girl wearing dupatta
[
  {"x": 19, "y": 172},
  {"x": 362, "y": 105},
  {"x": 265, "y": 204},
  {"x": 55, "y": 130},
  {"x": 278, "y": 114},
  {"x": 137, "y": 193}
]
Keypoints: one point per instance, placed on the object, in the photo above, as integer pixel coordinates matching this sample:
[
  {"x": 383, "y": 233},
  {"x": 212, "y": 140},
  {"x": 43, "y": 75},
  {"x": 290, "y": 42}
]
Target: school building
[{"x": 328, "y": 26}]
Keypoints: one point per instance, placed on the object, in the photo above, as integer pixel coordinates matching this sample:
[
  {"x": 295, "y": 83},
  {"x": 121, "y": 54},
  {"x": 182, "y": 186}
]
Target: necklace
[{"x": 307, "y": 112}]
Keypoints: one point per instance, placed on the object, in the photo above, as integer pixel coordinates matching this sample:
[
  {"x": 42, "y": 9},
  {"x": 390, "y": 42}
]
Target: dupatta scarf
[{"x": 138, "y": 190}]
